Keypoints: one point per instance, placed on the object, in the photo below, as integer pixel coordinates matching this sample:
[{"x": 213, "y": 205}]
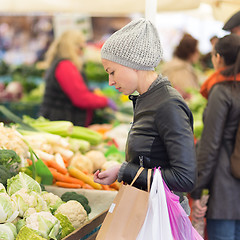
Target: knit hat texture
[{"x": 136, "y": 45}]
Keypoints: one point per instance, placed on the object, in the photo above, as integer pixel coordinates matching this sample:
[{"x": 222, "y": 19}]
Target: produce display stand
[
  {"x": 99, "y": 200},
  {"x": 89, "y": 231}
]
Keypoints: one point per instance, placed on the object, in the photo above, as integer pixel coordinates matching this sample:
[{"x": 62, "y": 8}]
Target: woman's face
[{"x": 124, "y": 79}]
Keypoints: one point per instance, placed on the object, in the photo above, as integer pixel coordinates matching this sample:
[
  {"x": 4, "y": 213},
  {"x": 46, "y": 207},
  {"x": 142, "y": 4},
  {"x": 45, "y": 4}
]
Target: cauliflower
[
  {"x": 74, "y": 211},
  {"x": 82, "y": 162},
  {"x": 29, "y": 212},
  {"x": 45, "y": 224},
  {"x": 2, "y": 188},
  {"x": 8, "y": 208},
  {"x": 97, "y": 158},
  {"x": 26, "y": 199},
  {"x": 53, "y": 201}
]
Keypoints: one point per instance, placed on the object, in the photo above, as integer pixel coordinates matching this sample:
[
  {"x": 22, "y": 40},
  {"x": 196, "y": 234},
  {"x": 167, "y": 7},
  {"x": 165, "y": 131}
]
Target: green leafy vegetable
[
  {"x": 4, "y": 175},
  {"x": 27, "y": 233},
  {"x": 66, "y": 225},
  {"x": 22, "y": 180},
  {"x": 10, "y": 160}
]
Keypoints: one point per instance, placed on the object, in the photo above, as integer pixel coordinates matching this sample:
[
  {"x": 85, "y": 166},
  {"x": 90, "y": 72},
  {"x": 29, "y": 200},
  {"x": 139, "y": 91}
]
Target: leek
[{"x": 93, "y": 137}]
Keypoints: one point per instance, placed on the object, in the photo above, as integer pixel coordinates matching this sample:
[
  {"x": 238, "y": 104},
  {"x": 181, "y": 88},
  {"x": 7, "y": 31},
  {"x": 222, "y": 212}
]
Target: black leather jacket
[{"x": 161, "y": 135}]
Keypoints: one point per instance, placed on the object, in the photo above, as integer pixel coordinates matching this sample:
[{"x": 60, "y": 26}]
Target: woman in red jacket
[{"x": 67, "y": 96}]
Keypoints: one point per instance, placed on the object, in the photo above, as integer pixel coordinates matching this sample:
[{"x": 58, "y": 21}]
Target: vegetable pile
[
  {"x": 27, "y": 211},
  {"x": 59, "y": 153}
]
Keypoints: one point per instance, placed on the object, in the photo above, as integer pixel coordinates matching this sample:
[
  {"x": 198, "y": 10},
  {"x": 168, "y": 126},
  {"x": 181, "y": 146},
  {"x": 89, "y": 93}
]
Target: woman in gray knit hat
[{"x": 162, "y": 128}]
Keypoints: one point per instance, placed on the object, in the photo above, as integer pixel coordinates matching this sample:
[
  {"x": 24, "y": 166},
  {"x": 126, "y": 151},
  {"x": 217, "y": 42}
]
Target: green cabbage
[
  {"x": 8, "y": 209},
  {"x": 45, "y": 225},
  {"x": 8, "y": 231},
  {"x": 22, "y": 180}
]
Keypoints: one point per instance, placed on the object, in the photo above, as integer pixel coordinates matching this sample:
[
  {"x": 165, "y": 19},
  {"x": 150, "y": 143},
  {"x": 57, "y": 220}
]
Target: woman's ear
[{"x": 220, "y": 60}]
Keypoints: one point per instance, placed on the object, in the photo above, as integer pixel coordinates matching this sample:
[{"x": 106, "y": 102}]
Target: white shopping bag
[{"x": 157, "y": 224}]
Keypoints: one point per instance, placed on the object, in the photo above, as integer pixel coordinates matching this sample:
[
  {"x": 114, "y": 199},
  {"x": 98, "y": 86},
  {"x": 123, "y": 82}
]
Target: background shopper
[
  {"x": 67, "y": 96},
  {"x": 221, "y": 119}
]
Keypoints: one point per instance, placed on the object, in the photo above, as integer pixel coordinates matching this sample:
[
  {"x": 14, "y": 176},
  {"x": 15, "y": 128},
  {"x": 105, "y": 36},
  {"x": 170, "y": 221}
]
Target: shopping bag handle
[{"x": 148, "y": 177}]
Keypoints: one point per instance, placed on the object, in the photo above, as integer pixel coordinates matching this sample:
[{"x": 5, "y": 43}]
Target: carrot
[
  {"x": 53, "y": 164},
  {"x": 116, "y": 185},
  {"x": 52, "y": 169},
  {"x": 65, "y": 178},
  {"x": 105, "y": 187},
  {"x": 45, "y": 162},
  {"x": 29, "y": 161},
  {"x": 68, "y": 185},
  {"x": 87, "y": 186},
  {"x": 65, "y": 162},
  {"x": 82, "y": 176}
]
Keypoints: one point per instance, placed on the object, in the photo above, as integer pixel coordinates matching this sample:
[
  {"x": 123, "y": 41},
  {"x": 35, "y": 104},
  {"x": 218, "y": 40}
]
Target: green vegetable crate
[{"x": 89, "y": 231}]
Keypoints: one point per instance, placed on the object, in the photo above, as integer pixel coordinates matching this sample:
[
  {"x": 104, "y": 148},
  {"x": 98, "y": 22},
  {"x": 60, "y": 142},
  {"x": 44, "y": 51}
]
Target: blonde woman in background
[{"x": 67, "y": 96}]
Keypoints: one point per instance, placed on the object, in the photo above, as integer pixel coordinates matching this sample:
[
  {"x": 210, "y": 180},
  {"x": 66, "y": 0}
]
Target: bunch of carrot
[{"x": 72, "y": 177}]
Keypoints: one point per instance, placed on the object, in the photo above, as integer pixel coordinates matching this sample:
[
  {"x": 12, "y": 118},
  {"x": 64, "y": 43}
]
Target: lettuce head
[
  {"x": 8, "y": 231},
  {"x": 22, "y": 180}
]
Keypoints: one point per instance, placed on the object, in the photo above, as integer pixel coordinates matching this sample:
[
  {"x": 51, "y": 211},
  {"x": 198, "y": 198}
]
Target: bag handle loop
[{"x": 148, "y": 177}]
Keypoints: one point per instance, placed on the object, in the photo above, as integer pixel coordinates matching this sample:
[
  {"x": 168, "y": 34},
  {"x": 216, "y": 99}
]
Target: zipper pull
[{"x": 141, "y": 161}]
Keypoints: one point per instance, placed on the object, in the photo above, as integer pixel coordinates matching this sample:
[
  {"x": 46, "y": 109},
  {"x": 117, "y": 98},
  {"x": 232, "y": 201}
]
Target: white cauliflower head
[
  {"x": 26, "y": 199},
  {"x": 74, "y": 211},
  {"x": 45, "y": 224},
  {"x": 53, "y": 201},
  {"x": 97, "y": 158}
]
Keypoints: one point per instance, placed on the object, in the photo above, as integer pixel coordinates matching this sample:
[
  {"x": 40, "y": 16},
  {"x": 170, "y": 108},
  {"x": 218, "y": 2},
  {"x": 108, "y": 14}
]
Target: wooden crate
[{"x": 89, "y": 231}]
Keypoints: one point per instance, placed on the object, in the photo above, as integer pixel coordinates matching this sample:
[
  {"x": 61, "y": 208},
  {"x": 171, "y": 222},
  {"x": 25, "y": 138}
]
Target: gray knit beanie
[{"x": 136, "y": 45}]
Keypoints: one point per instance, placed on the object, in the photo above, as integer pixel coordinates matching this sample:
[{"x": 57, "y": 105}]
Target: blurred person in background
[
  {"x": 233, "y": 24},
  {"x": 179, "y": 70},
  {"x": 67, "y": 96},
  {"x": 221, "y": 120},
  {"x": 206, "y": 59}
]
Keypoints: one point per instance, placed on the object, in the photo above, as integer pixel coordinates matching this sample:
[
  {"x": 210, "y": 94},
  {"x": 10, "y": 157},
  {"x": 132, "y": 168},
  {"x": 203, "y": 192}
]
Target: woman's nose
[{"x": 111, "y": 81}]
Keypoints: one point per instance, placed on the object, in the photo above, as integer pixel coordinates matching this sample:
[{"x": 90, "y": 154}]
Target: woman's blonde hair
[{"x": 67, "y": 46}]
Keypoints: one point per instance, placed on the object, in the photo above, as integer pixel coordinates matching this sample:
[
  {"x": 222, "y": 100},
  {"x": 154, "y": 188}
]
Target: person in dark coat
[
  {"x": 221, "y": 119},
  {"x": 162, "y": 130},
  {"x": 67, "y": 96}
]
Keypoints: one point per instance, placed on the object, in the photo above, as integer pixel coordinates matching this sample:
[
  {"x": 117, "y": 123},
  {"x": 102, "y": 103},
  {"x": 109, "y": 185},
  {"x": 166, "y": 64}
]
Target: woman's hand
[
  {"x": 107, "y": 177},
  {"x": 198, "y": 211}
]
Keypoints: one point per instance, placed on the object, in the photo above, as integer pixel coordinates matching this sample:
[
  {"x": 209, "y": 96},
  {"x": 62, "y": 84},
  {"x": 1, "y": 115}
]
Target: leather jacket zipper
[{"x": 141, "y": 161}]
